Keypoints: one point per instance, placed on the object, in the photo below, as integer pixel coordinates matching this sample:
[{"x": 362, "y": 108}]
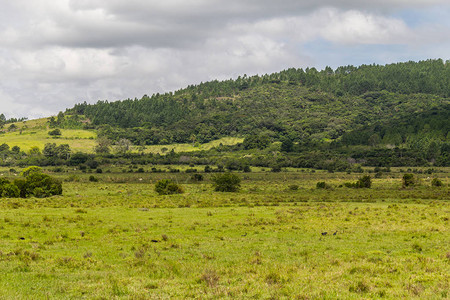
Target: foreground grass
[{"x": 111, "y": 240}]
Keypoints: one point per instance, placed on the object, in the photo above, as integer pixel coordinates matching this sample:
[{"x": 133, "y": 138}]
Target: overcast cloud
[{"x": 55, "y": 53}]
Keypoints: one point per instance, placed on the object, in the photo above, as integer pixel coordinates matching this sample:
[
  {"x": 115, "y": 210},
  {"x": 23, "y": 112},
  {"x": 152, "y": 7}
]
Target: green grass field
[
  {"x": 117, "y": 239},
  {"x": 34, "y": 133}
]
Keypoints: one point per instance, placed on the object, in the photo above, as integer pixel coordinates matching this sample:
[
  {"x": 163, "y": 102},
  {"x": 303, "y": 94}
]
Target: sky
[{"x": 56, "y": 53}]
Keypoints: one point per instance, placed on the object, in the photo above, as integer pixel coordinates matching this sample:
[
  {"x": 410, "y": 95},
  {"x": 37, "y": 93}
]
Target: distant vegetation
[{"x": 338, "y": 120}]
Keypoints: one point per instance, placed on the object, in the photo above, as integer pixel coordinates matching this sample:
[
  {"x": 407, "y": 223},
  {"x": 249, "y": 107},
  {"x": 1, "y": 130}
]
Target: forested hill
[{"x": 370, "y": 104}]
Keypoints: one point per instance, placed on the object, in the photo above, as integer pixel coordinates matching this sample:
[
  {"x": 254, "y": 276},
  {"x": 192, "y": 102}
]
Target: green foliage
[
  {"x": 256, "y": 142},
  {"x": 322, "y": 185},
  {"x": 167, "y": 187},
  {"x": 52, "y": 151},
  {"x": 292, "y": 105},
  {"x": 436, "y": 182},
  {"x": 364, "y": 182},
  {"x": 103, "y": 146},
  {"x": 30, "y": 170},
  {"x": 35, "y": 184},
  {"x": 393, "y": 115},
  {"x": 197, "y": 177},
  {"x": 55, "y": 132},
  {"x": 9, "y": 190},
  {"x": 227, "y": 182},
  {"x": 4, "y": 147},
  {"x": 78, "y": 158},
  {"x": 42, "y": 185},
  {"x": 408, "y": 180}
]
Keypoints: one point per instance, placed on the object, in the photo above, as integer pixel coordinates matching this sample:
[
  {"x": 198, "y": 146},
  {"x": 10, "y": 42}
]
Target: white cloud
[{"x": 56, "y": 53}]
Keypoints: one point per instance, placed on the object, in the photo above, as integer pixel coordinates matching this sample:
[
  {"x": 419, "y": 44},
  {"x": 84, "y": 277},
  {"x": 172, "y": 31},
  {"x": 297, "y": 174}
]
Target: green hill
[
  {"x": 296, "y": 104},
  {"x": 392, "y": 115}
]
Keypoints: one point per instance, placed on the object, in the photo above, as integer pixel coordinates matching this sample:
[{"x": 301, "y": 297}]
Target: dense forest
[{"x": 296, "y": 104}]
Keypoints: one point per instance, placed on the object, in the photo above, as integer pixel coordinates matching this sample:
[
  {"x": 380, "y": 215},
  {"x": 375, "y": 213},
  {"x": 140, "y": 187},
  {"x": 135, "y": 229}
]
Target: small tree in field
[
  {"x": 168, "y": 187},
  {"x": 408, "y": 180},
  {"x": 436, "y": 182},
  {"x": 34, "y": 184},
  {"x": 364, "y": 182},
  {"x": 227, "y": 182}
]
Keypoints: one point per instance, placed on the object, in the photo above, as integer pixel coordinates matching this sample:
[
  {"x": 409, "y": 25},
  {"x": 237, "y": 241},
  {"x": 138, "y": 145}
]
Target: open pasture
[{"x": 117, "y": 239}]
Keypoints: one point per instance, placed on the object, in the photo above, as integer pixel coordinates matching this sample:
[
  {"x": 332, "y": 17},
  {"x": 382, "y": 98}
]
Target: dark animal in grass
[
  {"x": 324, "y": 233},
  {"x": 335, "y": 233},
  {"x": 155, "y": 241},
  {"x": 21, "y": 238}
]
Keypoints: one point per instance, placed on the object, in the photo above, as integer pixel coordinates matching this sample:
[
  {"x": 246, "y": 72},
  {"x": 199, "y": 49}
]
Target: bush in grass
[
  {"x": 33, "y": 169},
  {"x": 42, "y": 185},
  {"x": 226, "y": 182},
  {"x": 293, "y": 187},
  {"x": 35, "y": 184},
  {"x": 92, "y": 178},
  {"x": 167, "y": 187},
  {"x": 322, "y": 185},
  {"x": 55, "y": 132},
  {"x": 10, "y": 190},
  {"x": 364, "y": 182},
  {"x": 197, "y": 177},
  {"x": 436, "y": 182},
  {"x": 408, "y": 180}
]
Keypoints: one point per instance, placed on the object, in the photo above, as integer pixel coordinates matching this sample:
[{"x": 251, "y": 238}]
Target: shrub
[
  {"x": 408, "y": 180},
  {"x": 226, "y": 182},
  {"x": 322, "y": 185},
  {"x": 436, "y": 182},
  {"x": 197, "y": 177},
  {"x": 35, "y": 184},
  {"x": 276, "y": 169},
  {"x": 364, "y": 182},
  {"x": 93, "y": 164},
  {"x": 30, "y": 170},
  {"x": 350, "y": 184},
  {"x": 293, "y": 187},
  {"x": 92, "y": 178},
  {"x": 55, "y": 132},
  {"x": 42, "y": 185},
  {"x": 167, "y": 187},
  {"x": 10, "y": 191}
]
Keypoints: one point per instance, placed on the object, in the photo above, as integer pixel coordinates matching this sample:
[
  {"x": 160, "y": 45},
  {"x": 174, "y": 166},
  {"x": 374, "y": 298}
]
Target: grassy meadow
[
  {"x": 117, "y": 239},
  {"x": 34, "y": 133}
]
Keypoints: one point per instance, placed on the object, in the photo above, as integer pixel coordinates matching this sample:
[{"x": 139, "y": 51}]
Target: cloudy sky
[{"x": 55, "y": 53}]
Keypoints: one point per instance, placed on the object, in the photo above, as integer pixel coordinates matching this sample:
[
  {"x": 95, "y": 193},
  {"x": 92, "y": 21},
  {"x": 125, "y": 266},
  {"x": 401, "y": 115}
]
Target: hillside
[
  {"x": 296, "y": 104},
  {"x": 34, "y": 133},
  {"x": 393, "y": 115}
]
